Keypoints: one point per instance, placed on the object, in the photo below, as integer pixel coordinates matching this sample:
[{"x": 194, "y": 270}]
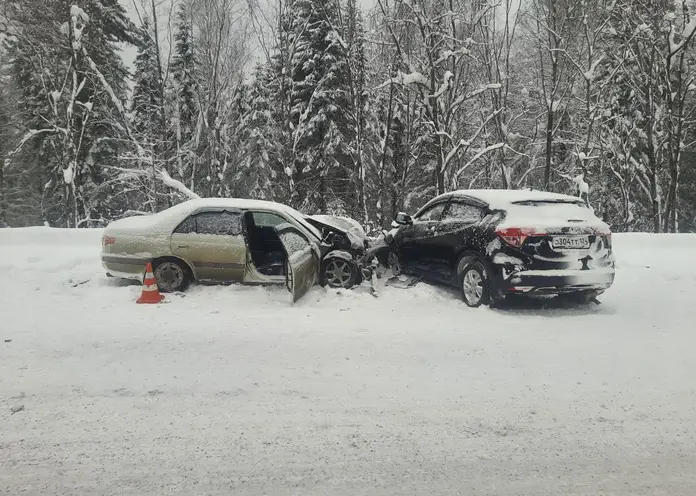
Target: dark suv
[{"x": 493, "y": 243}]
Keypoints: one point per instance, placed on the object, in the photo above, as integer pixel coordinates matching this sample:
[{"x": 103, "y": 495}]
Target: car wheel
[
  {"x": 394, "y": 263},
  {"x": 172, "y": 275},
  {"x": 339, "y": 273},
  {"x": 473, "y": 282}
]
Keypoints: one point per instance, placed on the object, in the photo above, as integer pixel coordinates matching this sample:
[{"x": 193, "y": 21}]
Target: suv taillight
[
  {"x": 606, "y": 234},
  {"x": 516, "y": 236},
  {"x": 108, "y": 240}
]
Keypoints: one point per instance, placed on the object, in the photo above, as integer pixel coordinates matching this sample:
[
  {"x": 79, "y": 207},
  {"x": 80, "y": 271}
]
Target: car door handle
[{"x": 184, "y": 247}]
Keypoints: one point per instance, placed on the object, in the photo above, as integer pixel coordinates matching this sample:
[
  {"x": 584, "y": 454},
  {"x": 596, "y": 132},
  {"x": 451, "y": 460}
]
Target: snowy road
[{"x": 230, "y": 390}]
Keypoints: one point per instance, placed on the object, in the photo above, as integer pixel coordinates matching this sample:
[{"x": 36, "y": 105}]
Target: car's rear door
[
  {"x": 213, "y": 243},
  {"x": 303, "y": 260},
  {"x": 459, "y": 229}
]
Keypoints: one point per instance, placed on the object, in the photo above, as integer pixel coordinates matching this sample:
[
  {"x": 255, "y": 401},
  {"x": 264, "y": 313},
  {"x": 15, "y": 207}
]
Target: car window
[
  {"x": 187, "y": 227},
  {"x": 263, "y": 219},
  {"x": 293, "y": 240},
  {"x": 463, "y": 213},
  {"x": 219, "y": 223},
  {"x": 433, "y": 213}
]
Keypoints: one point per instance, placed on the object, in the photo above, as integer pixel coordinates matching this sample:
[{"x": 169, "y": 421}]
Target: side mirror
[{"x": 403, "y": 219}]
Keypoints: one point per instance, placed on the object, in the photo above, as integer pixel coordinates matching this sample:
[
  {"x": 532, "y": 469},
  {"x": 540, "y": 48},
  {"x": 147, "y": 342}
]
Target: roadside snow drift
[{"x": 233, "y": 390}]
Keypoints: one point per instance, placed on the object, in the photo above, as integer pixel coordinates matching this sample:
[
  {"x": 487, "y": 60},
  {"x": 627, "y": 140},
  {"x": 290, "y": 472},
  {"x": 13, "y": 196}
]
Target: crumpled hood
[
  {"x": 343, "y": 224},
  {"x": 350, "y": 227}
]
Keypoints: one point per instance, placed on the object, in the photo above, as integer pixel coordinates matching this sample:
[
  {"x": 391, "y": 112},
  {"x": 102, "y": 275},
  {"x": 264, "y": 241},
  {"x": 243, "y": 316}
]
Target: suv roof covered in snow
[{"x": 503, "y": 198}]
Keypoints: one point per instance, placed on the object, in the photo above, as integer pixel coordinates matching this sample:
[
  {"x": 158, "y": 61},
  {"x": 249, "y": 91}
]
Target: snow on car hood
[
  {"x": 350, "y": 227},
  {"x": 343, "y": 224}
]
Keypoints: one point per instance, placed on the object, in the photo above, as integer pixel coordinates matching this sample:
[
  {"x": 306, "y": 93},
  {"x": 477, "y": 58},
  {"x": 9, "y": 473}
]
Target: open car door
[{"x": 302, "y": 265}]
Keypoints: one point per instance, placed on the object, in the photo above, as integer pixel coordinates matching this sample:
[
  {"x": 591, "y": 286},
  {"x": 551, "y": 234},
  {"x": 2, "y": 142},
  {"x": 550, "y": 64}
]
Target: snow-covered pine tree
[
  {"x": 147, "y": 109},
  {"x": 651, "y": 108},
  {"x": 258, "y": 131},
  {"x": 67, "y": 119},
  {"x": 320, "y": 98},
  {"x": 354, "y": 36},
  {"x": 186, "y": 108}
]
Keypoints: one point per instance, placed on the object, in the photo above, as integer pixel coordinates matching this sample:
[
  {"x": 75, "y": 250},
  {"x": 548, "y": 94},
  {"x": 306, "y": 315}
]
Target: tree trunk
[{"x": 549, "y": 150}]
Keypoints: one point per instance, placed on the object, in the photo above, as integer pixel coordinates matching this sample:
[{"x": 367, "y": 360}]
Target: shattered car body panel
[{"x": 525, "y": 242}]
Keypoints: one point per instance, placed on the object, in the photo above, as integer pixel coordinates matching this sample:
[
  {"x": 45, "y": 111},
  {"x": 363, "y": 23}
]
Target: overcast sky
[{"x": 130, "y": 51}]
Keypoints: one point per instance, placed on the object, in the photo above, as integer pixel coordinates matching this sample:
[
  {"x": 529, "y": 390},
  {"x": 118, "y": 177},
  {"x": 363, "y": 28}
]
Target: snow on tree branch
[
  {"x": 407, "y": 79},
  {"x": 177, "y": 185},
  {"x": 686, "y": 35},
  {"x": 476, "y": 157}
]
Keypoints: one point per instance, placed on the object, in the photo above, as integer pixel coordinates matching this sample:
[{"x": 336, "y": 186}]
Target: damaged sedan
[
  {"x": 493, "y": 243},
  {"x": 236, "y": 240}
]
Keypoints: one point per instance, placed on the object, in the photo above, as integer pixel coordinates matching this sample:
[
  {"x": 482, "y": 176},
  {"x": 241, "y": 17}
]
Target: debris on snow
[{"x": 16, "y": 409}]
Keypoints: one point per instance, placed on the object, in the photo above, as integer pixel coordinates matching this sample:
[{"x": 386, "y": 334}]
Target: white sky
[{"x": 129, "y": 52}]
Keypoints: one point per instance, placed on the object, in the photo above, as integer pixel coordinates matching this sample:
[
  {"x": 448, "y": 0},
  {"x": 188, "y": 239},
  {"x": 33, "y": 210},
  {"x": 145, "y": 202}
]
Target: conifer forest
[{"x": 346, "y": 107}]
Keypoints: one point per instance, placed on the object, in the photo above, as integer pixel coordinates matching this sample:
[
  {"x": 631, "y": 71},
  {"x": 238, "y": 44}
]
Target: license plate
[{"x": 570, "y": 242}]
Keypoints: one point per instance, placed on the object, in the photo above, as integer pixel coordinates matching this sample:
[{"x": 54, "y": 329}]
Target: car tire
[
  {"x": 473, "y": 283},
  {"x": 172, "y": 275},
  {"x": 394, "y": 263},
  {"x": 339, "y": 273}
]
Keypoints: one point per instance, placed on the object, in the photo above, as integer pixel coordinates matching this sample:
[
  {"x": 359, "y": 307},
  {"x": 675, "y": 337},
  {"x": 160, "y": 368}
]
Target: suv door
[
  {"x": 213, "y": 243},
  {"x": 460, "y": 229},
  {"x": 303, "y": 260},
  {"x": 414, "y": 241}
]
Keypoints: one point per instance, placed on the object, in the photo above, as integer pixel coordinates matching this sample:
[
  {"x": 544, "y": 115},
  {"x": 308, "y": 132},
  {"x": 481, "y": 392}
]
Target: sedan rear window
[{"x": 219, "y": 223}]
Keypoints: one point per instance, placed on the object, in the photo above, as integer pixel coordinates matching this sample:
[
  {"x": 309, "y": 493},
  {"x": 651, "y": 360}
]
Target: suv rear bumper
[{"x": 559, "y": 281}]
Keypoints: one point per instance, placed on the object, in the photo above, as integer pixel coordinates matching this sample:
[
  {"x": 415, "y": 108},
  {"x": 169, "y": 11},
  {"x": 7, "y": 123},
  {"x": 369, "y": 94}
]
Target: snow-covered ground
[{"x": 231, "y": 390}]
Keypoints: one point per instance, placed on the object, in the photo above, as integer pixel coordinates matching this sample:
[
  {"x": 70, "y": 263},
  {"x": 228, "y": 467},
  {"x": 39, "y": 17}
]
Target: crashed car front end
[{"x": 344, "y": 239}]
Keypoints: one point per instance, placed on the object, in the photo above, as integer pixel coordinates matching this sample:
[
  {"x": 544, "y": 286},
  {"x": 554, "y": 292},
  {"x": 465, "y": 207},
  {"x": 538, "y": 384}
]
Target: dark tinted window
[
  {"x": 433, "y": 213},
  {"x": 187, "y": 227},
  {"x": 464, "y": 213},
  {"x": 219, "y": 223}
]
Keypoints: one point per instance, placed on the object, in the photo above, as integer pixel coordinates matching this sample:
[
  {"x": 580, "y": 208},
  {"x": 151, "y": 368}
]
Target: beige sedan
[{"x": 229, "y": 240}]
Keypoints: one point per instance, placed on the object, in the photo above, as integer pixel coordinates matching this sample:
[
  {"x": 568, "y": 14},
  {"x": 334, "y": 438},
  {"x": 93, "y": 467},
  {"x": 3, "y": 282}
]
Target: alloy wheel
[
  {"x": 338, "y": 273},
  {"x": 472, "y": 286},
  {"x": 170, "y": 276}
]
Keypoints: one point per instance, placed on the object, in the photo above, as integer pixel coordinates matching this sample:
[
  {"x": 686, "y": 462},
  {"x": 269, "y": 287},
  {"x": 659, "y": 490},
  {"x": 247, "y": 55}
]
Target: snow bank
[{"x": 49, "y": 237}]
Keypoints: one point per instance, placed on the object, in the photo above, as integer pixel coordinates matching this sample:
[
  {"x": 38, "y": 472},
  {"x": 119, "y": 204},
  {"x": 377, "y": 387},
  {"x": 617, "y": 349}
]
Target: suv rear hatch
[{"x": 557, "y": 234}]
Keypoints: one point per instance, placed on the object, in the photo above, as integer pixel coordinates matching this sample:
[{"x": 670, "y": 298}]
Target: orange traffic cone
[{"x": 150, "y": 294}]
